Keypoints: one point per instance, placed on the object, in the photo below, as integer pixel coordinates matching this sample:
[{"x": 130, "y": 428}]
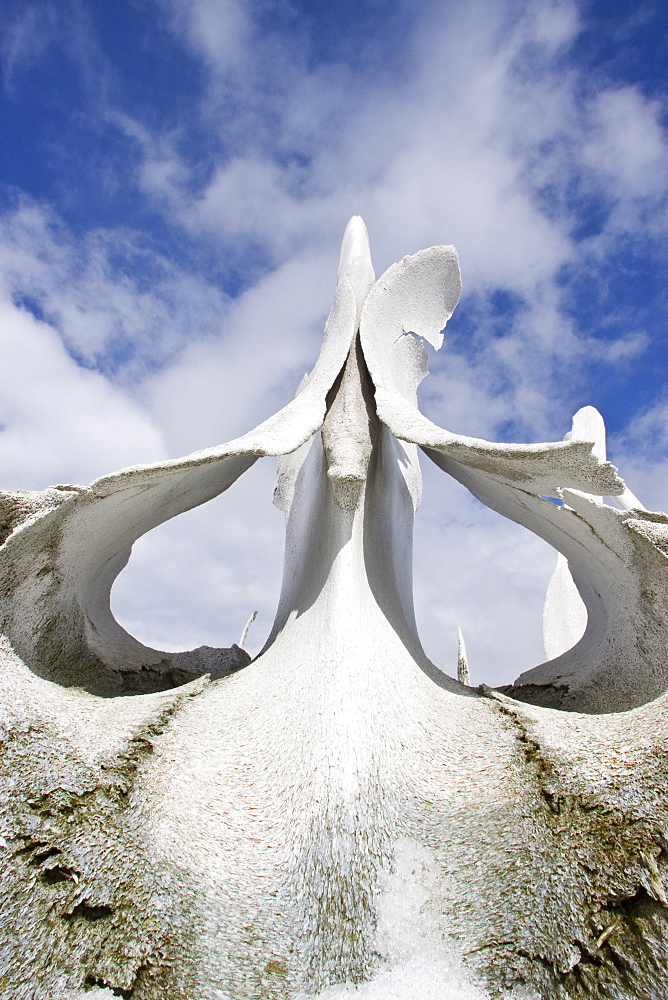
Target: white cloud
[
  {"x": 197, "y": 579},
  {"x": 268, "y": 340},
  {"x": 34, "y": 28},
  {"x": 117, "y": 304},
  {"x": 25, "y": 39},
  {"x": 220, "y": 31},
  {"x": 476, "y": 571},
  {"x": 61, "y": 423},
  {"x": 627, "y": 144}
]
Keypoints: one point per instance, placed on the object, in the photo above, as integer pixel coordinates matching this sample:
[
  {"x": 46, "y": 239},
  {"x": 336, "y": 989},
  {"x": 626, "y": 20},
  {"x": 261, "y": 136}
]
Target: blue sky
[{"x": 175, "y": 176}]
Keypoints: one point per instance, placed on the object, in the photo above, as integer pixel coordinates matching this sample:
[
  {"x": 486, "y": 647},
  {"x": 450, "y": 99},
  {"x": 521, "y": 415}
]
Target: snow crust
[{"x": 418, "y": 960}]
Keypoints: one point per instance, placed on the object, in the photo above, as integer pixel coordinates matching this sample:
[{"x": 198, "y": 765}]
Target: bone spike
[
  {"x": 355, "y": 244},
  {"x": 588, "y": 425},
  {"x": 247, "y": 627},
  {"x": 462, "y": 661}
]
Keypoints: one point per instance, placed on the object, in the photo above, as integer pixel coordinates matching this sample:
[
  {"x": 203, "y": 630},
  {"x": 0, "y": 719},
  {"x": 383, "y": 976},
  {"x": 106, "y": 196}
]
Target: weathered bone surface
[
  {"x": 198, "y": 827},
  {"x": 564, "y": 613}
]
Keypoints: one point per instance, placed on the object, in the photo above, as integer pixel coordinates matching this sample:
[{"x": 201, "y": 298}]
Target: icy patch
[{"x": 419, "y": 961}]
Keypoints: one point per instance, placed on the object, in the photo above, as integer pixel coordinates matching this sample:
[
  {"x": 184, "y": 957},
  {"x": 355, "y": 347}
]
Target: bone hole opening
[
  {"x": 196, "y": 580},
  {"x": 478, "y": 571}
]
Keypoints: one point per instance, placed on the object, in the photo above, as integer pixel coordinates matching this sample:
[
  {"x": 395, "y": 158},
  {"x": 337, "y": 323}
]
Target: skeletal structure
[{"x": 198, "y": 826}]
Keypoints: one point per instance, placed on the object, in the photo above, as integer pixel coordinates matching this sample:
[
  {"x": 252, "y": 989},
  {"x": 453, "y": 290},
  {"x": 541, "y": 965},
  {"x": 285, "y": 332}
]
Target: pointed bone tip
[
  {"x": 355, "y": 244},
  {"x": 461, "y": 646},
  {"x": 588, "y": 411},
  {"x": 463, "y": 675},
  {"x": 588, "y": 425},
  {"x": 356, "y": 225},
  {"x": 588, "y": 420}
]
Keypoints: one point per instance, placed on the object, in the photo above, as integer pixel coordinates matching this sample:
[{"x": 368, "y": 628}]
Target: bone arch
[
  {"x": 70, "y": 543},
  {"x": 234, "y": 836}
]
